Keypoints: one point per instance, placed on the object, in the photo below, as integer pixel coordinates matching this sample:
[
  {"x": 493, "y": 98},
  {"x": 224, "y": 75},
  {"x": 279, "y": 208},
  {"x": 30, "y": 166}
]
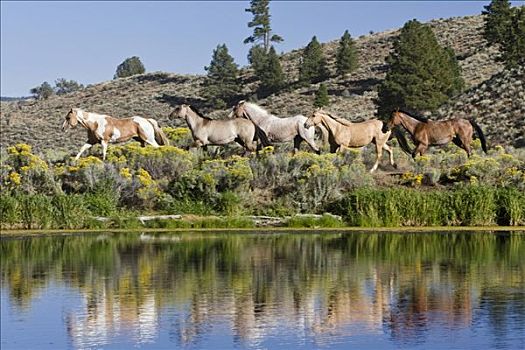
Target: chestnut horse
[
  {"x": 104, "y": 129},
  {"x": 425, "y": 132},
  {"x": 343, "y": 133}
]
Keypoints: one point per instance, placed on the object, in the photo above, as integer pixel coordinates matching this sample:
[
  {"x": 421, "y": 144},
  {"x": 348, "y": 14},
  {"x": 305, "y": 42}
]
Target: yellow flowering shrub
[
  {"x": 15, "y": 178},
  {"x": 125, "y": 173}
]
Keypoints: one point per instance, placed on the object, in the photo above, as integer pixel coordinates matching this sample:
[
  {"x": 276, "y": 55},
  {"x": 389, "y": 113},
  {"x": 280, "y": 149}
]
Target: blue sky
[{"x": 85, "y": 41}]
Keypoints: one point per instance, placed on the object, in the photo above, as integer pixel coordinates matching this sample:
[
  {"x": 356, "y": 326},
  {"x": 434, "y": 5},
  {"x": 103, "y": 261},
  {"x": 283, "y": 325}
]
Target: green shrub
[
  {"x": 466, "y": 205},
  {"x": 69, "y": 211},
  {"x": 101, "y": 203},
  {"x": 511, "y": 206},
  {"x": 36, "y": 211},
  {"x": 9, "y": 211}
]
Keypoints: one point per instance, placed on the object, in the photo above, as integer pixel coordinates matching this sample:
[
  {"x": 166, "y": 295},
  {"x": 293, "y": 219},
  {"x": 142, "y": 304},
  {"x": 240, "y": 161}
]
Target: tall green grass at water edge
[{"x": 469, "y": 205}]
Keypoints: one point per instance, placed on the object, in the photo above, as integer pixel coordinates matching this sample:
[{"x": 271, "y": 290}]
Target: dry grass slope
[{"x": 155, "y": 94}]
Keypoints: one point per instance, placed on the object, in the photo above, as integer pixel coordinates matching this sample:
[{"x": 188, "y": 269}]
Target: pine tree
[
  {"x": 63, "y": 86},
  {"x": 422, "y": 75},
  {"x": 262, "y": 32},
  {"x": 221, "y": 84},
  {"x": 321, "y": 97},
  {"x": 43, "y": 91},
  {"x": 130, "y": 66},
  {"x": 313, "y": 67},
  {"x": 513, "y": 45},
  {"x": 346, "y": 57},
  {"x": 497, "y": 21},
  {"x": 271, "y": 74}
]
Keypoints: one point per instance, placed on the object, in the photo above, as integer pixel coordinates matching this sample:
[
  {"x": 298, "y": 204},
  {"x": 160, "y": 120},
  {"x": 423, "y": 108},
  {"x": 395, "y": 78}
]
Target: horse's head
[
  {"x": 239, "y": 111},
  {"x": 314, "y": 119},
  {"x": 179, "y": 112},
  {"x": 393, "y": 121},
  {"x": 71, "y": 119}
]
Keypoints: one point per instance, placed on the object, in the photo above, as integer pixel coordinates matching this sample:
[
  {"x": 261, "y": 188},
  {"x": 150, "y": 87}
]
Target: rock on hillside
[
  {"x": 498, "y": 104},
  {"x": 155, "y": 94}
]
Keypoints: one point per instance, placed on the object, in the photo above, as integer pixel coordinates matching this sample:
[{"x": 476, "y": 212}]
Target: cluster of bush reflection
[{"x": 394, "y": 284}]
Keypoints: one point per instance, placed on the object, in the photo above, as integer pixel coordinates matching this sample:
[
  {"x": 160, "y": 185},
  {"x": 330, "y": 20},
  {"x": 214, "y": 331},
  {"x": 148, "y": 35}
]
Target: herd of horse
[{"x": 253, "y": 127}]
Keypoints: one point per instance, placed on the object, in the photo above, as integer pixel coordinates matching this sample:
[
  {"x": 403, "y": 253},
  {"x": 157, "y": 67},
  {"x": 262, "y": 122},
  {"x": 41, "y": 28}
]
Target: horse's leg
[
  {"x": 297, "y": 143},
  {"x": 83, "y": 149},
  {"x": 333, "y": 147},
  {"x": 144, "y": 137},
  {"x": 390, "y": 153},
  {"x": 462, "y": 142},
  {"x": 379, "y": 153},
  {"x": 104, "y": 149},
  {"x": 420, "y": 149}
]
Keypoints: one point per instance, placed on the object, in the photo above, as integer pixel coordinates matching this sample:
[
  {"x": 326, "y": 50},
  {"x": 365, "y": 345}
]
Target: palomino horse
[
  {"x": 425, "y": 132},
  {"x": 206, "y": 131},
  {"x": 279, "y": 129},
  {"x": 104, "y": 129},
  {"x": 343, "y": 133}
]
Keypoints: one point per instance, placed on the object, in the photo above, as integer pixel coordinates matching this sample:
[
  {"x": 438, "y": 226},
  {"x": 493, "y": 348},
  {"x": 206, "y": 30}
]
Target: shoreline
[{"x": 349, "y": 229}]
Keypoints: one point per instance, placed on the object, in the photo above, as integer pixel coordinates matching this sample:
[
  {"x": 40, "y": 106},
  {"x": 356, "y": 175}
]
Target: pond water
[{"x": 264, "y": 291}]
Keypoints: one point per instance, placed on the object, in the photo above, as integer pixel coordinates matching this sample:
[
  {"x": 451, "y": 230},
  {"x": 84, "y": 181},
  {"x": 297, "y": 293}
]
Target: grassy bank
[
  {"x": 469, "y": 205},
  {"x": 222, "y": 190}
]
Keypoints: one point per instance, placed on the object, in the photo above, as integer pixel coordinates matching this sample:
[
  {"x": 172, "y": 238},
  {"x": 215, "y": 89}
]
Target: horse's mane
[
  {"x": 258, "y": 109},
  {"x": 340, "y": 120},
  {"x": 414, "y": 115},
  {"x": 194, "y": 109}
]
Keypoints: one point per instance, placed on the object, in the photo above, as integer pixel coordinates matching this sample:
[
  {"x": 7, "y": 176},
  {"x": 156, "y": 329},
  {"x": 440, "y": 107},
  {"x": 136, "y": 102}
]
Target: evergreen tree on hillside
[
  {"x": 262, "y": 32},
  {"x": 313, "y": 67},
  {"x": 43, "y": 91},
  {"x": 513, "y": 45},
  {"x": 497, "y": 21},
  {"x": 257, "y": 58},
  {"x": 270, "y": 74},
  {"x": 221, "y": 84},
  {"x": 422, "y": 75},
  {"x": 130, "y": 66},
  {"x": 321, "y": 96},
  {"x": 346, "y": 57},
  {"x": 63, "y": 86}
]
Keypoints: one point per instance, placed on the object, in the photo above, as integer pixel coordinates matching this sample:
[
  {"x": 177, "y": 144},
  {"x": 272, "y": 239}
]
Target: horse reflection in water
[{"x": 104, "y": 129}]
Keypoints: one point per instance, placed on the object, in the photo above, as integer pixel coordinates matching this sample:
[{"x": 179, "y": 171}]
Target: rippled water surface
[{"x": 215, "y": 291}]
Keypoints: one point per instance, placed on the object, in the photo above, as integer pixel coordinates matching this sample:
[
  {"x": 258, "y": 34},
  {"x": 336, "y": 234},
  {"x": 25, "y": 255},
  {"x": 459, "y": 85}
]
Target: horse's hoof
[{"x": 394, "y": 165}]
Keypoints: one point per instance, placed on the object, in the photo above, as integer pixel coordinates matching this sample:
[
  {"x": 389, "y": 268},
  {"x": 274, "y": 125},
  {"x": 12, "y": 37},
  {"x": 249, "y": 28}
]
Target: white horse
[
  {"x": 279, "y": 129},
  {"x": 104, "y": 129}
]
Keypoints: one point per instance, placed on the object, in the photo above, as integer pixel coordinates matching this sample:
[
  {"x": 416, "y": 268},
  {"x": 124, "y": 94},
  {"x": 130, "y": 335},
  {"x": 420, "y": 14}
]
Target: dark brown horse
[{"x": 425, "y": 132}]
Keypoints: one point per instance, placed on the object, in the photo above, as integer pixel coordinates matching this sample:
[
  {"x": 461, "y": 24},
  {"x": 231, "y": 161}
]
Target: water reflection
[{"x": 263, "y": 290}]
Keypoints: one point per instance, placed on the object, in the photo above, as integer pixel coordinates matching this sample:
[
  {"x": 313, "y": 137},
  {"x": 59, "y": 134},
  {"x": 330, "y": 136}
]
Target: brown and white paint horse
[{"x": 104, "y": 129}]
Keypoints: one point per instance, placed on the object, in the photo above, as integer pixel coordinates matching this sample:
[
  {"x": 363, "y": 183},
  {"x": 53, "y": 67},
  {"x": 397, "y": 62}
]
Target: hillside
[{"x": 156, "y": 94}]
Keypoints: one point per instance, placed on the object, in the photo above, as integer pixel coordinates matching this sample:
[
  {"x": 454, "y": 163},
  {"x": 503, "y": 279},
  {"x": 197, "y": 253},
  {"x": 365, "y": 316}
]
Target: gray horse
[
  {"x": 206, "y": 131},
  {"x": 279, "y": 129}
]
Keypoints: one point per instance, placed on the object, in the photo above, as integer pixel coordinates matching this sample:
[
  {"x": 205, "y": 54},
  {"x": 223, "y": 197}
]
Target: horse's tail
[
  {"x": 403, "y": 143},
  {"x": 160, "y": 136},
  {"x": 261, "y": 136},
  {"x": 480, "y": 134}
]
